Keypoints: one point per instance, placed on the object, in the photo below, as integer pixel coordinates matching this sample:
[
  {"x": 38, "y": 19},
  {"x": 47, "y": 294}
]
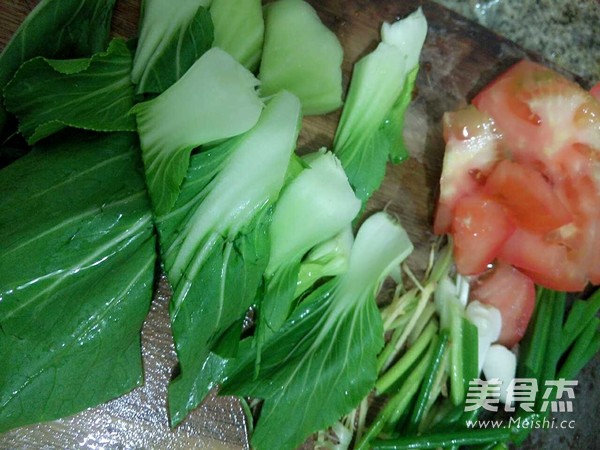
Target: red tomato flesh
[
  {"x": 540, "y": 113},
  {"x": 513, "y": 294},
  {"x": 547, "y": 263},
  {"x": 480, "y": 228},
  {"x": 529, "y": 198},
  {"x": 527, "y": 153},
  {"x": 595, "y": 91}
]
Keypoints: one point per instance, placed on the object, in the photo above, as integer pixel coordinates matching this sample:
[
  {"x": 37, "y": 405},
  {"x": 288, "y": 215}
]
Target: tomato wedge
[
  {"x": 529, "y": 198},
  {"x": 513, "y": 293},
  {"x": 540, "y": 113},
  {"x": 547, "y": 263},
  {"x": 471, "y": 152},
  {"x": 480, "y": 227},
  {"x": 595, "y": 91}
]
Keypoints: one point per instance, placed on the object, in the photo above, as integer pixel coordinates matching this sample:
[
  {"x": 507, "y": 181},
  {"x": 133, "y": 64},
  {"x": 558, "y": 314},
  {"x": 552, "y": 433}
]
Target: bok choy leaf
[
  {"x": 239, "y": 29},
  {"x": 215, "y": 244},
  {"x": 301, "y": 55},
  {"x": 372, "y": 121},
  {"x": 174, "y": 34},
  {"x": 328, "y": 259},
  {"x": 57, "y": 29},
  {"x": 327, "y": 350},
  {"x": 48, "y": 95},
  {"x": 214, "y": 100},
  {"x": 315, "y": 206},
  {"x": 77, "y": 264}
]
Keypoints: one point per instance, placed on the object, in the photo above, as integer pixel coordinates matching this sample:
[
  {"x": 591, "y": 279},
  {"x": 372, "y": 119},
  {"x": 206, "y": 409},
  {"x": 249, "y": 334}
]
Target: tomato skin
[
  {"x": 529, "y": 198},
  {"x": 513, "y": 294},
  {"x": 480, "y": 227},
  {"x": 471, "y": 152}
]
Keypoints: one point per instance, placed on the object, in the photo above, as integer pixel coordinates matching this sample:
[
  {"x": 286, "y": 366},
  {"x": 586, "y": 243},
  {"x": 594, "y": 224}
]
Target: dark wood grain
[{"x": 458, "y": 58}]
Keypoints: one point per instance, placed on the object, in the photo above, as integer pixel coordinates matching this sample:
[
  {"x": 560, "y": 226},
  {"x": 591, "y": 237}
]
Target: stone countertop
[{"x": 563, "y": 31}]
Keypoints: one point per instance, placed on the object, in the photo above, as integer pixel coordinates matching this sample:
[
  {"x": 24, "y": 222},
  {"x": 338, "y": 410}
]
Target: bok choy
[
  {"x": 76, "y": 276},
  {"x": 314, "y": 207},
  {"x": 239, "y": 29},
  {"x": 301, "y": 55},
  {"x": 372, "y": 122},
  {"x": 173, "y": 35},
  {"x": 57, "y": 29},
  {"x": 328, "y": 259},
  {"x": 48, "y": 95},
  {"x": 214, "y": 100},
  {"x": 215, "y": 243},
  {"x": 327, "y": 349}
]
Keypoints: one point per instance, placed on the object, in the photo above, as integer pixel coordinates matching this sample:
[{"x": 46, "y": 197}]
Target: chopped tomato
[
  {"x": 480, "y": 227},
  {"x": 594, "y": 268},
  {"x": 529, "y": 198},
  {"x": 582, "y": 237},
  {"x": 547, "y": 263},
  {"x": 513, "y": 294},
  {"x": 536, "y": 154},
  {"x": 540, "y": 113},
  {"x": 471, "y": 152}
]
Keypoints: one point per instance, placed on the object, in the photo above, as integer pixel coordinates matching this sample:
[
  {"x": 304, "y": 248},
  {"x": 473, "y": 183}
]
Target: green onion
[
  {"x": 533, "y": 345},
  {"x": 397, "y": 405},
  {"x": 457, "y": 387},
  {"x": 584, "y": 349},
  {"x": 442, "y": 265},
  {"x": 553, "y": 344},
  {"x": 580, "y": 316},
  {"x": 440, "y": 345},
  {"x": 433, "y": 441},
  {"x": 402, "y": 366}
]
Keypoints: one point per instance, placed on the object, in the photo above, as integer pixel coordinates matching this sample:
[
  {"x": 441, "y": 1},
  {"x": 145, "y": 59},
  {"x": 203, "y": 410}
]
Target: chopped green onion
[
  {"x": 401, "y": 367},
  {"x": 433, "y": 441},
  {"x": 440, "y": 345}
]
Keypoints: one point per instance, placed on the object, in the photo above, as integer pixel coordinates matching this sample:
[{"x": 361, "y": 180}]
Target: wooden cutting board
[{"x": 458, "y": 59}]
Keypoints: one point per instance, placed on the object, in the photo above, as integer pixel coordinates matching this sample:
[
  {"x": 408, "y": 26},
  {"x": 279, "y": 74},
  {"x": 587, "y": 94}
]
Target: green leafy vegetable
[
  {"x": 93, "y": 94},
  {"x": 174, "y": 34},
  {"x": 327, "y": 350},
  {"x": 215, "y": 99},
  {"x": 322, "y": 193},
  {"x": 76, "y": 276},
  {"x": 327, "y": 259},
  {"x": 302, "y": 56},
  {"x": 215, "y": 243},
  {"x": 57, "y": 29},
  {"x": 371, "y": 126},
  {"x": 239, "y": 29}
]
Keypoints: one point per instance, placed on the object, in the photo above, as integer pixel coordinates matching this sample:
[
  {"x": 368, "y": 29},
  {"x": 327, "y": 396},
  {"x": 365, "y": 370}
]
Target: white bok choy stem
[
  {"x": 214, "y": 100},
  {"x": 372, "y": 121},
  {"x": 328, "y": 259},
  {"x": 314, "y": 207},
  {"x": 239, "y": 29}
]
